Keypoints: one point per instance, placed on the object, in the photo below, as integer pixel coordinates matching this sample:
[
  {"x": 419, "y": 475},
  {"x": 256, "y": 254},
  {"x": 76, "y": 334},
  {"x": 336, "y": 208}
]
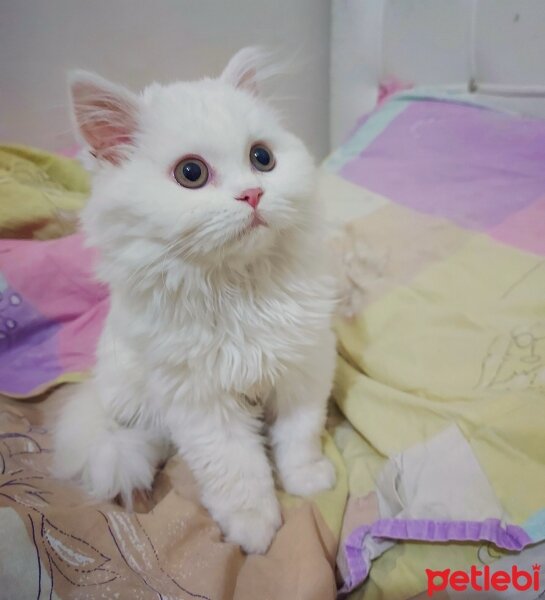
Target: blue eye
[
  {"x": 262, "y": 158},
  {"x": 191, "y": 173}
]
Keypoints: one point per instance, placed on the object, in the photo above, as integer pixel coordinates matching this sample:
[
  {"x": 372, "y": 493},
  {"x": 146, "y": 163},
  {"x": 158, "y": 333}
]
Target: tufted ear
[
  {"x": 248, "y": 68},
  {"x": 106, "y": 115}
]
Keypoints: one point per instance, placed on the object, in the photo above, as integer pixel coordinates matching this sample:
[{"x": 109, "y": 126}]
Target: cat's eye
[
  {"x": 191, "y": 172},
  {"x": 262, "y": 158}
]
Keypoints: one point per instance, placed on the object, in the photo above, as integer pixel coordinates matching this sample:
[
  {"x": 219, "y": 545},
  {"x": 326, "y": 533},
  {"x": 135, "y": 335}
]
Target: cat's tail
[{"x": 105, "y": 458}]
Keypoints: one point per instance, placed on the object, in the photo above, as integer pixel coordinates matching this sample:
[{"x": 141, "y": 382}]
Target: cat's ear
[
  {"x": 106, "y": 115},
  {"x": 248, "y": 68}
]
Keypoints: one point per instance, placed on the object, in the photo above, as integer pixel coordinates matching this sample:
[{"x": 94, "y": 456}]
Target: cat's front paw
[
  {"x": 252, "y": 528},
  {"x": 308, "y": 478}
]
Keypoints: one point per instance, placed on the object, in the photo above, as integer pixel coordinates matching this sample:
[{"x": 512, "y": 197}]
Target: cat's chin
[
  {"x": 255, "y": 223},
  {"x": 251, "y": 242}
]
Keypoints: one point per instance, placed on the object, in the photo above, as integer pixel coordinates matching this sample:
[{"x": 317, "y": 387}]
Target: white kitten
[{"x": 220, "y": 308}]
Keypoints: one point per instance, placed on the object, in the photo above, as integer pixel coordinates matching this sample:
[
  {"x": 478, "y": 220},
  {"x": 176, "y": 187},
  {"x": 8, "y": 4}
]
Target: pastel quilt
[{"x": 441, "y": 369}]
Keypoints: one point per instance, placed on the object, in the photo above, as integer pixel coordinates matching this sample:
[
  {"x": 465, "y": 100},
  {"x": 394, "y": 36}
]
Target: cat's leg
[
  {"x": 106, "y": 458},
  {"x": 300, "y": 413},
  {"x": 224, "y": 449}
]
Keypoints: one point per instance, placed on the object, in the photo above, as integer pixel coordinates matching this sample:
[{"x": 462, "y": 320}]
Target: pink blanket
[{"x": 51, "y": 313}]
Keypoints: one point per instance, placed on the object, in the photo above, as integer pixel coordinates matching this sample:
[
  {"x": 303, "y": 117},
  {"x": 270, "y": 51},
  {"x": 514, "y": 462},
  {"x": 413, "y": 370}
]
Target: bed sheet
[{"x": 441, "y": 368}]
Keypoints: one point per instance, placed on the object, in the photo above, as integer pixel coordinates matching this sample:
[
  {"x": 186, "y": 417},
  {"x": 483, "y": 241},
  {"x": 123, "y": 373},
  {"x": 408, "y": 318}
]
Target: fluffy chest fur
[{"x": 227, "y": 333}]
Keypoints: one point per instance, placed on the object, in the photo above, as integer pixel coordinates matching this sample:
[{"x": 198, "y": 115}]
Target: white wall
[
  {"x": 137, "y": 41},
  {"x": 436, "y": 42}
]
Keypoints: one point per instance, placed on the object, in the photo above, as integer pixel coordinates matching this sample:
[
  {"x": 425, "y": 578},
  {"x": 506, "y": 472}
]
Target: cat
[{"x": 218, "y": 340}]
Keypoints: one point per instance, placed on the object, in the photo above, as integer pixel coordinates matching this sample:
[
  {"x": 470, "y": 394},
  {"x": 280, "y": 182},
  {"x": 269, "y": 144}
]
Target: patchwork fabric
[
  {"x": 441, "y": 372},
  {"x": 51, "y": 313}
]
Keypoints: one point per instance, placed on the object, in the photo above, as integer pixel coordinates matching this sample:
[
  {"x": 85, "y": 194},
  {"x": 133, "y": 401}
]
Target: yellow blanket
[{"x": 39, "y": 193}]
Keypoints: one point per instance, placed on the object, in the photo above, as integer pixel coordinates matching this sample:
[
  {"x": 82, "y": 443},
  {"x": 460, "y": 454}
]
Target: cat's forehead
[
  {"x": 204, "y": 93},
  {"x": 206, "y": 110}
]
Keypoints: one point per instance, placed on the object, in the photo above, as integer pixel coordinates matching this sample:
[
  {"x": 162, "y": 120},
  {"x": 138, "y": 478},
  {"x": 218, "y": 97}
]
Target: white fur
[{"x": 205, "y": 313}]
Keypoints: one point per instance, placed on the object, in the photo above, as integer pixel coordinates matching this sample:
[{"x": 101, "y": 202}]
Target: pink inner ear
[
  {"x": 107, "y": 119},
  {"x": 111, "y": 149},
  {"x": 112, "y": 153},
  {"x": 247, "y": 81},
  {"x": 110, "y": 146}
]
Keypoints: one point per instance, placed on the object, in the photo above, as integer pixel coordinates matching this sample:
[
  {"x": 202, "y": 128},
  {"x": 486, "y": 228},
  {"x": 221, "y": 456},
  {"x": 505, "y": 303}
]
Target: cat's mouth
[{"x": 257, "y": 221}]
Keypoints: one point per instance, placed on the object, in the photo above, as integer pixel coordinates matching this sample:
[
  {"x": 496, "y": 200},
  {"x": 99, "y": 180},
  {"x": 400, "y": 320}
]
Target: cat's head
[{"x": 203, "y": 171}]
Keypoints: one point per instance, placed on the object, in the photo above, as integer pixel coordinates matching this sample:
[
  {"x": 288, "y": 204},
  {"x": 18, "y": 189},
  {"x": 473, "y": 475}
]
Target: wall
[
  {"x": 495, "y": 43},
  {"x": 137, "y": 41}
]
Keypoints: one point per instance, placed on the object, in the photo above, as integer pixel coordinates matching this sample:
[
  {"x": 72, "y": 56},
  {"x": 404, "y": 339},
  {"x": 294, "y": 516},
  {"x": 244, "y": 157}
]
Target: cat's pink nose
[{"x": 252, "y": 196}]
